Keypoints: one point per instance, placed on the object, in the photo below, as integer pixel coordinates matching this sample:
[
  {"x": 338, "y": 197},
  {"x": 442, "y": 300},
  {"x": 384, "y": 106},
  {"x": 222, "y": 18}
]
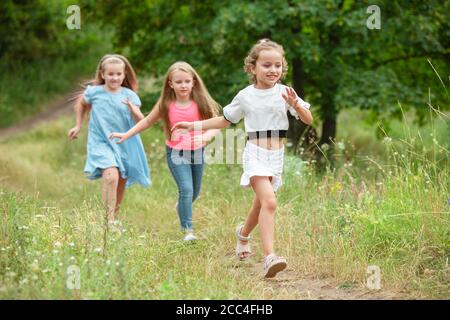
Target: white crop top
[{"x": 262, "y": 109}]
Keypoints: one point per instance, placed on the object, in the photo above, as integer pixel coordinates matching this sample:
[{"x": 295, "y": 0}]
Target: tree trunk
[
  {"x": 296, "y": 127},
  {"x": 324, "y": 156},
  {"x": 328, "y": 130}
]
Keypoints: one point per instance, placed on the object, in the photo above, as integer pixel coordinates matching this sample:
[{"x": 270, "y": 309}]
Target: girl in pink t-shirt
[{"x": 184, "y": 97}]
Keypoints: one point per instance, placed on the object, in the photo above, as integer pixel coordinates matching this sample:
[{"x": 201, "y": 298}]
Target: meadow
[{"x": 384, "y": 203}]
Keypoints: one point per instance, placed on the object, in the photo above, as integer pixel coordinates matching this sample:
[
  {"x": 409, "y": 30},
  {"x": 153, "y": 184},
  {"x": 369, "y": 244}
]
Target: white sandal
[
  {"x": 242, "y": 248},
  {"x": 273, "y": 264}
]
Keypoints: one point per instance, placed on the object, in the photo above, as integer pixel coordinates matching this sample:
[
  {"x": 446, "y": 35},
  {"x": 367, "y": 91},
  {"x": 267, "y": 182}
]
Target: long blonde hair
[
  {"x": 130, "y": 80},
  {"x": 253, "y": 55},
  {"x": 207, "y": 106}
]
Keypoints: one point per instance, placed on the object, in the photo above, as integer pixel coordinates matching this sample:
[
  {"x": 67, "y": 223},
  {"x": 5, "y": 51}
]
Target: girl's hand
[
  {"x": 73, "y": 133},
  {"x": 290, "y": 97},
  {"x": 119, "y": 135},
  {"x": 131, "y": 106},
  {"x": 201, "y": 139},
  {"x": 189, "y": 126}
]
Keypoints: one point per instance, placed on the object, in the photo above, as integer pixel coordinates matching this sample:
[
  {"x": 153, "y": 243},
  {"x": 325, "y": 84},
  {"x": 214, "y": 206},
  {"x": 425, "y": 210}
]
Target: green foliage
[
  {"x": 41, "y": 57},
  {"x": 343, "y": 63}
]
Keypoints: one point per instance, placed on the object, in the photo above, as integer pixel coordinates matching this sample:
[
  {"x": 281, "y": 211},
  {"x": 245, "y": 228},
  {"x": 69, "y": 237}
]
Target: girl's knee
[
  {"x": 186, "y": 191},
  {"x": 269, "y": 204},
  {"x": 111, "y": 176}
]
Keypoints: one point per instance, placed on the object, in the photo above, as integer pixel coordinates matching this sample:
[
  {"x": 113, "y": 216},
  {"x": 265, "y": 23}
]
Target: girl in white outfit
[{"x": 263, "y": 105}]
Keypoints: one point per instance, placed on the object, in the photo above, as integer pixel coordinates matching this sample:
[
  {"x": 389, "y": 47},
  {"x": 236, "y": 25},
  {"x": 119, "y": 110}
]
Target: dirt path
[
  {"x": 58, "y": 107},
  {"x": 292, "y": 285}
]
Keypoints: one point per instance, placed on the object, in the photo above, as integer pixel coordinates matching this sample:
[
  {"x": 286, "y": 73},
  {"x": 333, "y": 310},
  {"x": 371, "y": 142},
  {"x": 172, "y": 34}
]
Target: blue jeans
[{"x": 186, "y": 167}]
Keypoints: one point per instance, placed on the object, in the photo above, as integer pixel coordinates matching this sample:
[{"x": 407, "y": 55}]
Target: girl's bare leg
[
  {"x": 250, "y": 222},
  {"x": 120, "y": 192},
  {"x": 110, "y": 180},
  {"x": 264, "y": 191}
]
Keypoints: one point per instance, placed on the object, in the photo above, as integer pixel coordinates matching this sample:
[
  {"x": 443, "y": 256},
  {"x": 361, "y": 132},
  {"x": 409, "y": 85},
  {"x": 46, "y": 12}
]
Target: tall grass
[{"x": 390, "y": 211}]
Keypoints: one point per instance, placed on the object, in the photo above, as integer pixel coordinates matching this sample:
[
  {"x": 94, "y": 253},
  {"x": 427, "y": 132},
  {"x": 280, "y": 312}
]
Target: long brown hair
[{"x": 207, "y": 106}]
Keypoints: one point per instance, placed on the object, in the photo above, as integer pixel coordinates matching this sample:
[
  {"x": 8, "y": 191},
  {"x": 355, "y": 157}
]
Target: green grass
[{"x": 388, "y": 210}]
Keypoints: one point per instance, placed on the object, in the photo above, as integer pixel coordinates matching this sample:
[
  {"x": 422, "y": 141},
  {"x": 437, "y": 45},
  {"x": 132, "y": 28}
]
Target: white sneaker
[
  {"x": 190, "y": 237},
  {"x": 273, "y": 264}
]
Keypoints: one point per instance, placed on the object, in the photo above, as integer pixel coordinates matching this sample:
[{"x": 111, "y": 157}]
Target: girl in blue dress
[{"x": 114, "y": 107}]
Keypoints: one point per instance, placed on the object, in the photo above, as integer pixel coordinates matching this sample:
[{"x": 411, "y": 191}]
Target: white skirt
[{"x": 258, "y": 161}]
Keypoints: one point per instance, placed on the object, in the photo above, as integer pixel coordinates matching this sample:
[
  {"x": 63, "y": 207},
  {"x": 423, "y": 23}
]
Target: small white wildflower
[
  {"x": 289, "y": 144},
  {"x": 108, "y": 262},
  {"x": 325, "y": 147},
  {"x": 395, "y": 153},
  {"x": 72, "y": 258},
  {"x": 340, "y": 146},
  {"x": 45, "y": 271},
  {"x": 107, "y": 274},
  {"x": 23, "y": 281},
  {"x": 98, "y": 250},
  {"x": 34, "y": 267},
  {"x": 117, "y": 264},
  {"x": 297, "y": 173},
  {"x": 55, "y": 251},
  {"x": 57, "y": 244},
  {"x": 60, "y": 264},
  {"x": 71, "y": 244}
]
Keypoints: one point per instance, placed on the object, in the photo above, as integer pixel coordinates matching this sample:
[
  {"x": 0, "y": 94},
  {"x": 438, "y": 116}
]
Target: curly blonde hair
[{"x": 253, "y": 55}]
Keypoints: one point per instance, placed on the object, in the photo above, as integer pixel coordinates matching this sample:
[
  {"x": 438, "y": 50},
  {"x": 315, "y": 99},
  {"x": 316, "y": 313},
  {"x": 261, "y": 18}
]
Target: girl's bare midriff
[{"x": 268, "y": 143}]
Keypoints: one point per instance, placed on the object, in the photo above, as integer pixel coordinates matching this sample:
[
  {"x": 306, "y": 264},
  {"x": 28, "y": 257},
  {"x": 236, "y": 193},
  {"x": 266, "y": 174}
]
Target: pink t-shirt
[{"x": 180, "y": 139}]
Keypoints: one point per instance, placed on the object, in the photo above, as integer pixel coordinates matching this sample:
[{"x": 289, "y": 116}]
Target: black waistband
[{"x": 266, "y": 134}]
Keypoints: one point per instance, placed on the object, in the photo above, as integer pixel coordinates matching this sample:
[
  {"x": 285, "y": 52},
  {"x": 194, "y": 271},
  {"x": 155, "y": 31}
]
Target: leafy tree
[{"x": 335, "y": 61}]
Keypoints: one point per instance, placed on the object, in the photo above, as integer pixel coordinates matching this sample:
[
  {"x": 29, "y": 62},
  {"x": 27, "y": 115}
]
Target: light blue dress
[{"x": 109, "y": 115}]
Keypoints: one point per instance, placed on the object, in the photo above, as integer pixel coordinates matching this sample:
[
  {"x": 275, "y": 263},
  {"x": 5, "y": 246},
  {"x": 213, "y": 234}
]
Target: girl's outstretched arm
[
  {"x": 212, "y": 123},
  {"x": 80, "y": 109},
  {"x": 145, "y": 123}
]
